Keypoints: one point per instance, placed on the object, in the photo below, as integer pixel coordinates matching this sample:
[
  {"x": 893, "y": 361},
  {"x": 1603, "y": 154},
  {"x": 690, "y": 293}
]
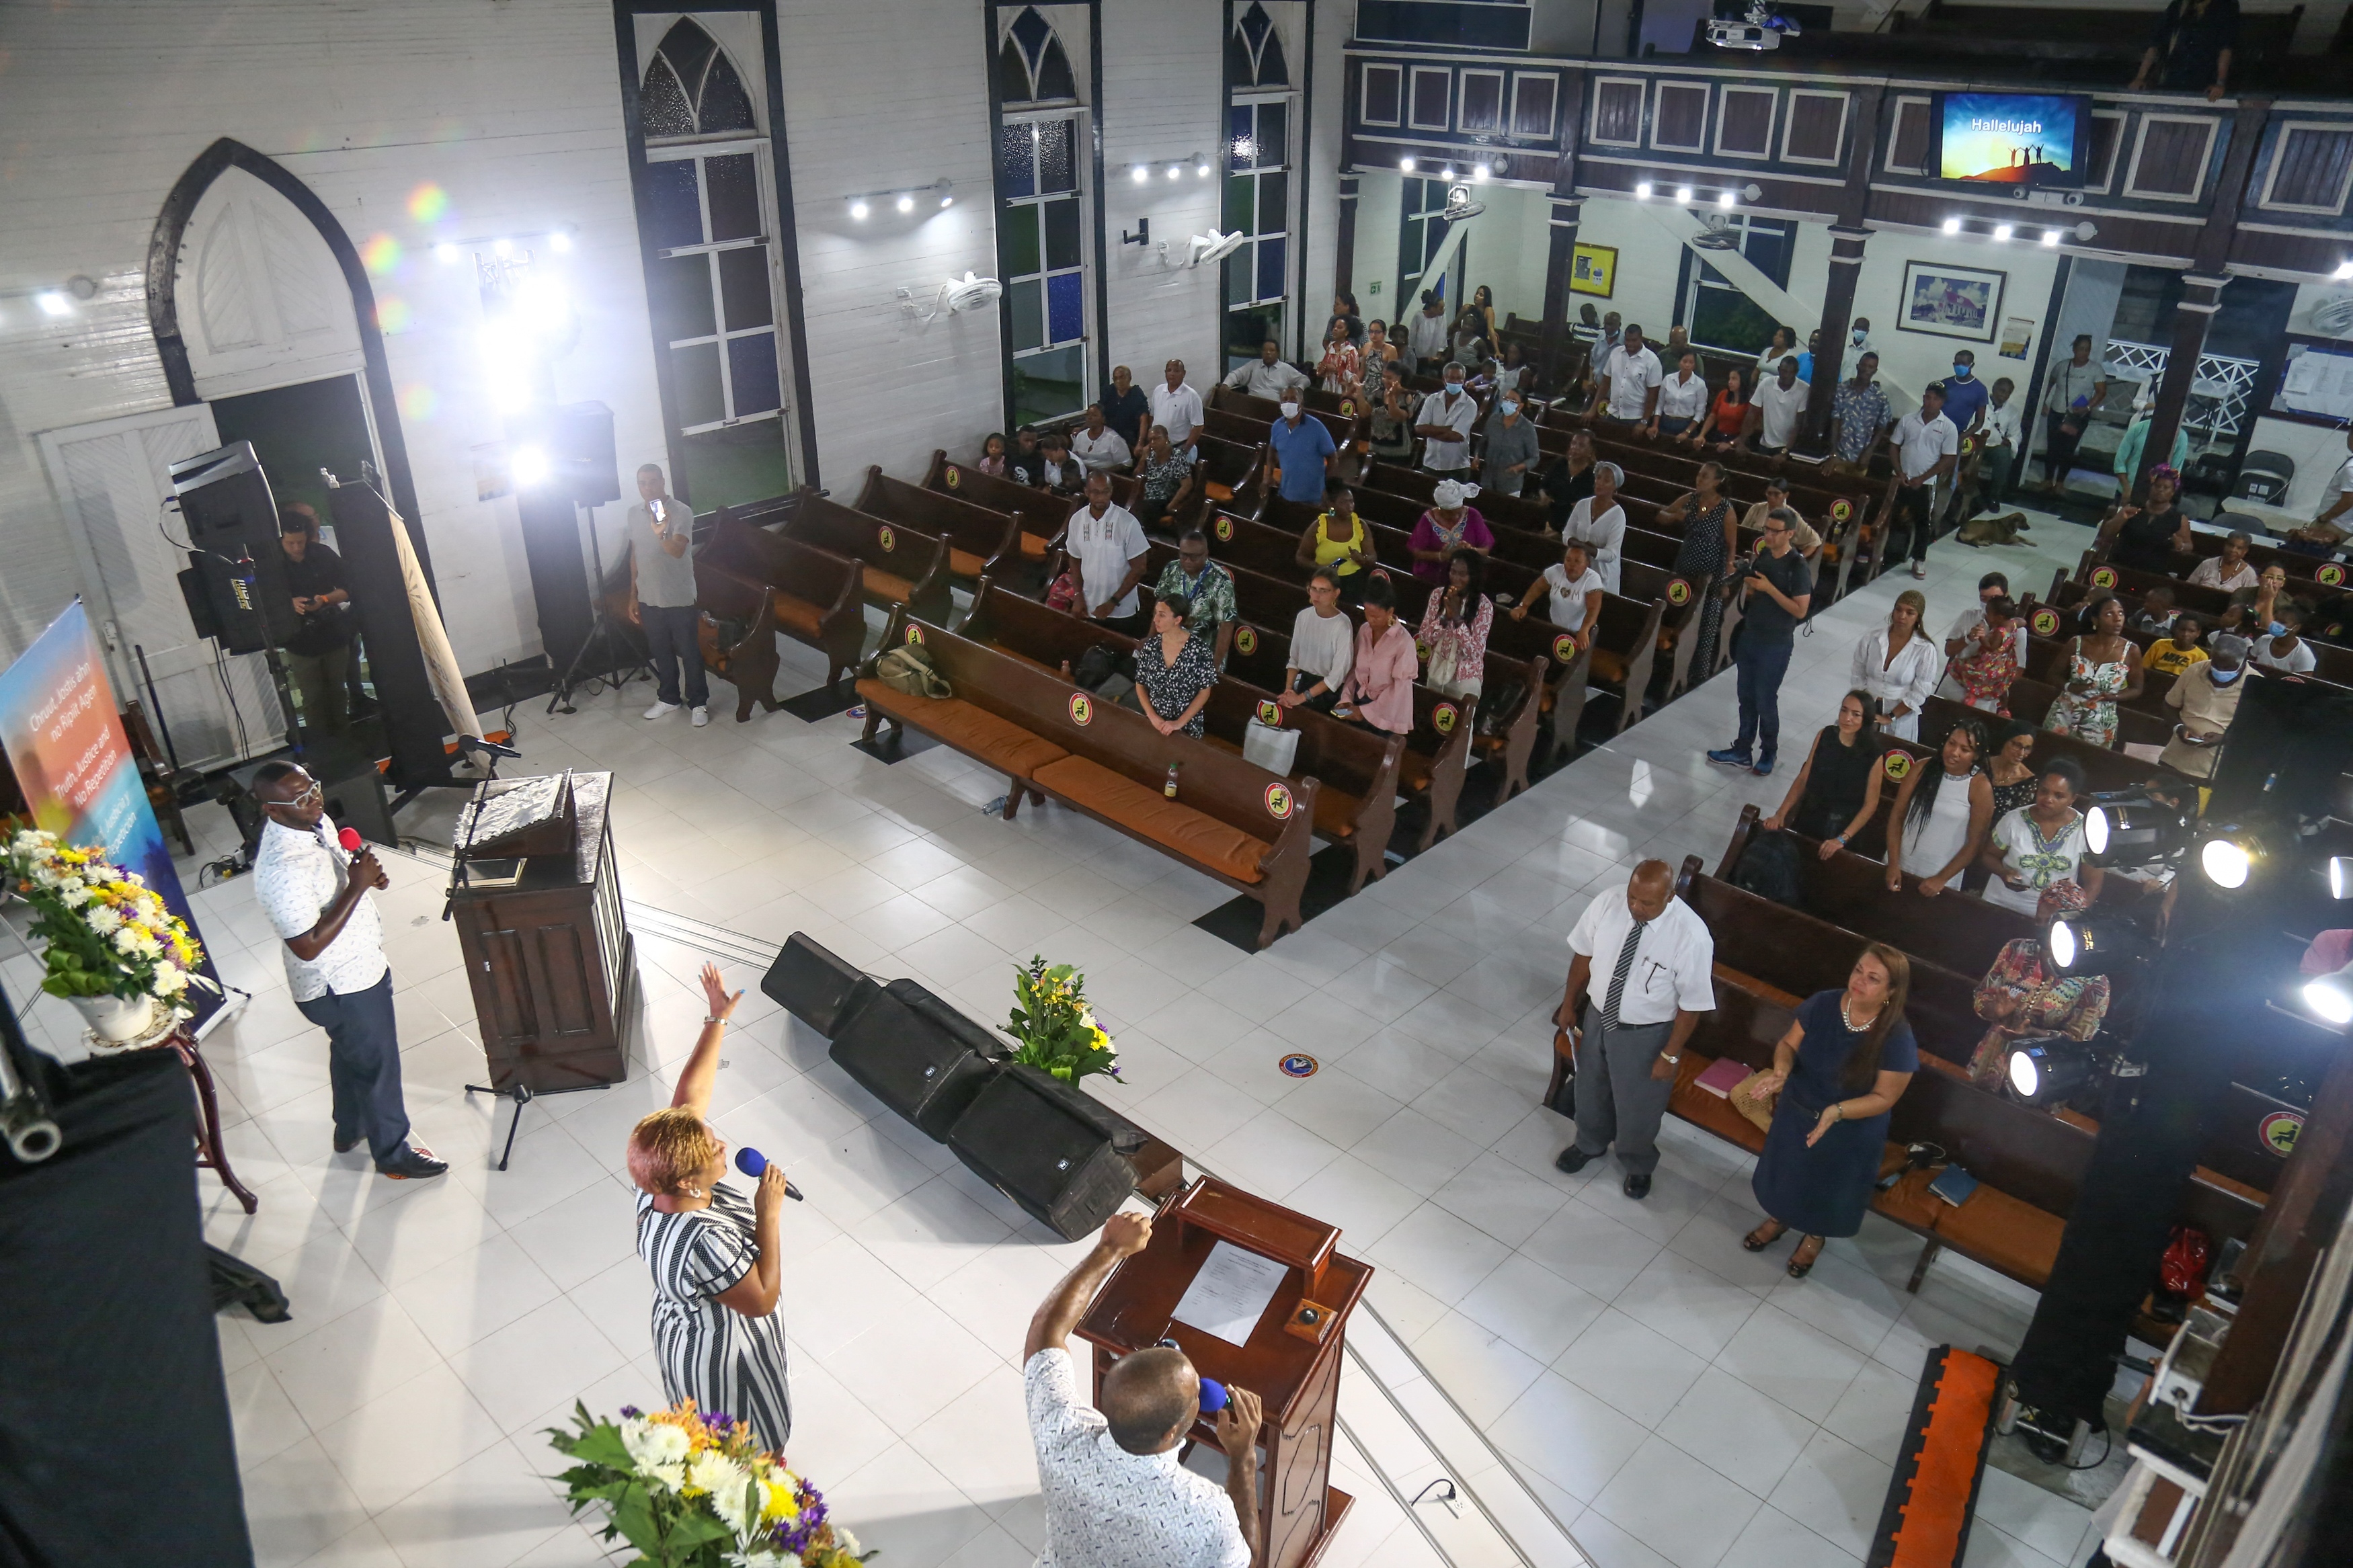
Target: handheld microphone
[
  {"x": 1213, "y": 1397},
  {"x": 751, "y": 1162},
  {"x": 349, "y": 839}
]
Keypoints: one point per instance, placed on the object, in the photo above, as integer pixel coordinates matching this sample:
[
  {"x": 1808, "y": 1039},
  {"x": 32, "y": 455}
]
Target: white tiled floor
[{"x": 1668, "y": 1398}]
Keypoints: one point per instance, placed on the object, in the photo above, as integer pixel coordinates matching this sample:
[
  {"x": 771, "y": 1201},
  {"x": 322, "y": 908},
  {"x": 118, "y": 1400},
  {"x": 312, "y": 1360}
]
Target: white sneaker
[
  {"x": 701, "y": 717},
  {"x": 661, "y": 709},
  {"x": 1920, "y": 570}
]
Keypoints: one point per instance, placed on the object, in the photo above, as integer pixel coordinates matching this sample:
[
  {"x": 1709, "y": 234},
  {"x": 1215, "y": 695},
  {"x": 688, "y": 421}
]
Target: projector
[{"x": 1760, "y": 29}]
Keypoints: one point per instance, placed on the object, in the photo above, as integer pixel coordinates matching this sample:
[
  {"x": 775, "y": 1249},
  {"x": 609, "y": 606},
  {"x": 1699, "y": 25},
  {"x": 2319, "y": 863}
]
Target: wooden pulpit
[{"x": 1291, "y": 1358}]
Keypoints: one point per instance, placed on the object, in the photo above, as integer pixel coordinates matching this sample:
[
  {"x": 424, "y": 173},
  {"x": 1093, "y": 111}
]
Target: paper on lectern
[{"x": 1230, "y": 1294}]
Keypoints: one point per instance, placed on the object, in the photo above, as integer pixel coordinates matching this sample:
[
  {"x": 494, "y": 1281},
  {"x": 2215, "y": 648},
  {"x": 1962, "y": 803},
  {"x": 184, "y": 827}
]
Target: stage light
[
  {"x": 2232, "y": 857},
  {"x": 560, "y": 242},
  {"x": 2002, "y": 231},
  {"x": 1139, "y": 173},
  {"x": 1406, "y": 163},
  {"x": 445, "y": 253},
  {"x": 1724, "y": 199},
  {"x": 858, "y": 210},
  {"x": 2340, "y": 876},
  {"x": 1952, "y": 225},
  {"x": 2103, "y": 944},
  {"x": 2132, "y": 828},
  {"x": 906, "y": 203},
  {"x": 504, "y": 247},
  {"x": 530, "y": 467},
  {"x": 1642, "y": 191},
  {"x": 2050, "y": 237},
  {"x": 1683, "y": 194},
  {"x": 2331, "y": 996},
  {"x": 2046, "y": 1069},
  {"x": 52, "y": 303}
]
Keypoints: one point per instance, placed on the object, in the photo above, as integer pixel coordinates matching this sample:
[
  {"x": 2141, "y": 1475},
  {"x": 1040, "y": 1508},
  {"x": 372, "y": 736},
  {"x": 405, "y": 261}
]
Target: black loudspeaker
[
  {"x": 580, "y": 451},
  {"x": 1050, "y": 1147},
  {"x": 353, "y": 787},
  {"x": 232, "y": 523},
  {"x": 908, "y": 1059},
  {"x": 813, "y": 984}
]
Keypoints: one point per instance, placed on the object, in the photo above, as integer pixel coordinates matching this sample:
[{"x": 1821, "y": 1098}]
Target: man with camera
[
  {"x": 318, "y": 652},
  {"x": 1775, "y": 586},
  {"x": 662, "y": 597}
]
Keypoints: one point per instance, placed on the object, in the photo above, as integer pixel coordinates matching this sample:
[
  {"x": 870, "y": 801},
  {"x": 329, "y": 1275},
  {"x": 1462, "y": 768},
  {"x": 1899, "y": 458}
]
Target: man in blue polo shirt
[
  {"x": 1302, "y": 447},
  {"x": 1964, "y": 395}
]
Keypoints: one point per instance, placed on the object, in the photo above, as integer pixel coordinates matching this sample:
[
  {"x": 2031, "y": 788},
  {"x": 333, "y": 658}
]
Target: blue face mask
[
  {"x": 1961, "y": 372},
  {"x": 1859, "y": 335},
  {"x": 2276, "y": 628},
  {"x": 2223, "y": 677}
]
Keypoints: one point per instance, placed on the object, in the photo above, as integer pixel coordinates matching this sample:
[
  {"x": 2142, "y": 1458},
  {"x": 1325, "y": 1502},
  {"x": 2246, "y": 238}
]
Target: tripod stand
[{"x": 581, "y": 671}]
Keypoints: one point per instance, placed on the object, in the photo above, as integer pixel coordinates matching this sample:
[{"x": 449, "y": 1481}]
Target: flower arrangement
[
  {"x": 1055, "y": 1028},
  {"x": 694, "y": 1491},
  {"x": 108, "y": 932}
]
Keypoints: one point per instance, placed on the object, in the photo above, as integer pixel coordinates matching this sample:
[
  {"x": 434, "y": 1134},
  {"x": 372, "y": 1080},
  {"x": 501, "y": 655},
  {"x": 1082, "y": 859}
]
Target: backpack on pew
[
  {"x": 1769, "y": 869},
  {"x": 1108, "y": 673},
  {"x": 910, "y": 671}
]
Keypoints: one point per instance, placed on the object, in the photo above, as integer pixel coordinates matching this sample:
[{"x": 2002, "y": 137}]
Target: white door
[{"x": 112, "y": 477}]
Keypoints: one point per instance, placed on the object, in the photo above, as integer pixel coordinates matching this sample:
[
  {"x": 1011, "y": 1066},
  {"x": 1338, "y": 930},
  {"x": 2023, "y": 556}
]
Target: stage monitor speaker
[
  {"x": 813, "y": 984},
  {"x": 224, "y": 495},
  {"x": 580, "y": 450},
  {"x": 1043, "y": 1143},
  {"x": 355, "y": 788},
  {"x": 904, "y": 1056}
]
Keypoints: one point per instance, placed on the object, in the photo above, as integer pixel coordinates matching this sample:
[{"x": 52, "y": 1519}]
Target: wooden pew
[
  {"x": 1042, "y": 513},
  {"x": 1232, "y": 820},
  {"x": 1355, "y": 769},
  {"x": 896, "y": 565},
  {"x": 1521, "y": 511},
  {"x": 816, "y": 599},
  {"x": 1962, "y": 934},
  {"x": 981, "y": 542},
  {"x": 746, "y": 658},
  {"x": 2332, "y": 665},
  {"x": 2204, "y": 546},
  {"x": 1237, "y": 416},
  {"x": 1236, "y": 469},
  {"x": 2103, "y": 769}
]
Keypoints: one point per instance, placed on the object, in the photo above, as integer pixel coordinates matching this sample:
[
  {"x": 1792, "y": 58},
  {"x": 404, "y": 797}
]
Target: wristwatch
[{"x": 1668, "y": 1059}]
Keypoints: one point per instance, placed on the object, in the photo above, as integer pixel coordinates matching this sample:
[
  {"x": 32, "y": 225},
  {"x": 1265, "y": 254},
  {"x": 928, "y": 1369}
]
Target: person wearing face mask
[
  {"x": 1444, "y": 424},
  {"x": 1964, "y": 395},
  {"x": 1268, "y": 375},
  {"x": 2207, "y": 696},
  {"x": 1303, "y": 449},
  {"x": 1511, "y": 449},
  {"x": 2280, "y": 647},
  {"x": 1859, "y": 334}
]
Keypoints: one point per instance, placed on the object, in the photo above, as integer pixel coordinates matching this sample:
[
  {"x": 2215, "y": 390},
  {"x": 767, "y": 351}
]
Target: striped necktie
[{"x": 1617, "y": 975}]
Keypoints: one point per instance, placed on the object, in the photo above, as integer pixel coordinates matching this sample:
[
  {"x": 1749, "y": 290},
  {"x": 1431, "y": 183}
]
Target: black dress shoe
[
  {"x": 413, "y": 1164},
  {"x": 1637, "y": 1187},
  {"x": 1570, "y": 1161},
  {"x": 345, "y": 1145}
]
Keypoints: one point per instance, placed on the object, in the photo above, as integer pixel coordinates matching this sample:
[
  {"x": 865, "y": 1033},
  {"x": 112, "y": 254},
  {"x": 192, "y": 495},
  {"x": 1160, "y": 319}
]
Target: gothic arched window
[
  {"x": 1031, "y": 66},
  {"x": 692, "y": 90},
  {"x": 1254, "y": 52}
]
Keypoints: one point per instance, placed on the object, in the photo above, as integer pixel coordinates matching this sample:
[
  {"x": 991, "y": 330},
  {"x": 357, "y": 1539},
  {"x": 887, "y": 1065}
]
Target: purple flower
[{"x": 630, "y": 1412}]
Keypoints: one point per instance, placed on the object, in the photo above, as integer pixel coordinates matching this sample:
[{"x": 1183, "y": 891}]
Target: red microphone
[{"x": 349, "y": 837}]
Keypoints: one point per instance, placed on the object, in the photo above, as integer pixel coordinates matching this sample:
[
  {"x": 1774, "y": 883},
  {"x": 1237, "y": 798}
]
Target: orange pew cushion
[
  {"x": 973, "y": 730},
  {"x": 1171, "y": 824}
]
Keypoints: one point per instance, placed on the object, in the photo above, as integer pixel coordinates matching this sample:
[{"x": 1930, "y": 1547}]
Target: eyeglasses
[{"x": 317, "y": 792}]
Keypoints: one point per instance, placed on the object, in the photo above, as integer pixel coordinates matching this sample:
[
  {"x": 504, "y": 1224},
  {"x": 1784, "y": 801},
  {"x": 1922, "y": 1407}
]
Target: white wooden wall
[{"x": 513, "y": 111}]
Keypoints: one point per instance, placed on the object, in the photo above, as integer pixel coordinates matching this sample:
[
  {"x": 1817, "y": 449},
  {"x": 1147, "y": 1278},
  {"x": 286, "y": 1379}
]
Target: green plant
[
  {"x": 108, "y": 932},
  {"x": 1053, "y": 1027}
]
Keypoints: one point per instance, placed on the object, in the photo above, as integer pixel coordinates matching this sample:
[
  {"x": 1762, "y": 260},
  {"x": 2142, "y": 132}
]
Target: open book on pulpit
[{"x": 1259, "y": 1297}]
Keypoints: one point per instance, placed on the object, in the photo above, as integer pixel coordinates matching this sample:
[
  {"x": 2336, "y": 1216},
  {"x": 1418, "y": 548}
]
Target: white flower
[
  {"x": 730, "y": 1486},
  {"x": 849, "y": 1542},
  {"x": 103, "y": 919},
  {"x": 127, "y": 939},
  {"x": 75, "y": 896},
  {"x": 653, "y": 1443},
  {"x": 669, "y": 1478}
]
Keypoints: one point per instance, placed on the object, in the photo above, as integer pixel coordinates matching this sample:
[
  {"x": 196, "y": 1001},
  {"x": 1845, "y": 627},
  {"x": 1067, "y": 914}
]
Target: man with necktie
[{"x": 1660, "y": 960}]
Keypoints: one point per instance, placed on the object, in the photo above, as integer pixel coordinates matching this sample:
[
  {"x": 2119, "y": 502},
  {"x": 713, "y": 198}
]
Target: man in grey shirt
[
  {"x": 661, "y": 596},
  {"x": 1511, "y": 447}
]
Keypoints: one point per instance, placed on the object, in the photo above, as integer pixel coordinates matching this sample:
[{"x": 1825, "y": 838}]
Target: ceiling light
[
  {"x": 859, "y": 209},
  {"x": 1139, "y": 173},
  {"x": 1642, "y": 191},
  {"x": 1952, "y": 225},
  {"x": 1176, "y": 172},
  {"x": 1682, "y": 193},
  {"x": 445, "y": 253},
  {"x": 1478, "y": 171},
  {"x": 2002, "y": 231},
  {"x": 906, "y": 203},
  {"x": 504, "y": 247},
  {"x": 1406, "y": 163},
  {"x": 1447, "y": 173},
  {"x": 2050, "y": 237},
  {"x": 1724, "y": 199},
  {"x": 948, "y": 201},
  {"x": 1202, "y": 167},
  {"x": 52, "y": 303},
  {"x": 559, "y": 242}
]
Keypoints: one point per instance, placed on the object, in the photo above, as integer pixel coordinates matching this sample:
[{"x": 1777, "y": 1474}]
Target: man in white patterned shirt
[
  {"x": 1116, "y": 1496},
  {"x": 316, "y": 896}
]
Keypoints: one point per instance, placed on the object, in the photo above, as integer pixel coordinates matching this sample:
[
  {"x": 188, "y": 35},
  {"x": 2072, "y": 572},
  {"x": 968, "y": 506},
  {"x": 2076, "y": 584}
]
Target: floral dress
[
  {"x": 1702, "y": 555},
  {"x": 1170, "y": 688},
  {"x": 2089, "y": 716},
  {"x": 1340, "y": 367},
  {"x": 2054, "y": 1004},
  {"x": 1987, "y": 675},
  {"x": 1456, "y": 653}
]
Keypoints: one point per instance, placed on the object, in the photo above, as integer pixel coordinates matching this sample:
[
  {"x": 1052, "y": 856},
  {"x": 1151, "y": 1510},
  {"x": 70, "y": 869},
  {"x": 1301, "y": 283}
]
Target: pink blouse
[{"x": 1381, "y": 685}]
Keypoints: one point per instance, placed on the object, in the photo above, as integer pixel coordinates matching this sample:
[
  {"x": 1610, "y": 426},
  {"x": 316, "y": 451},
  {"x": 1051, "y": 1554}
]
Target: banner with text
[{"x": 65, "y": 741}]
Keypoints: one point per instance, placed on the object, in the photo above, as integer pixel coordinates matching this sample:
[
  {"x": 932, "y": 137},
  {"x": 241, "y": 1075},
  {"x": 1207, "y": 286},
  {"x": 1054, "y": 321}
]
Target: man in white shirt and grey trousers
[{"x": 1658, "y": 964}]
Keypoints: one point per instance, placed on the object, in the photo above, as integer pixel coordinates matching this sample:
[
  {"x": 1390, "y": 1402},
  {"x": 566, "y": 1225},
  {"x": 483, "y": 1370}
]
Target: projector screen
[{"x": 2011, "y": 138}]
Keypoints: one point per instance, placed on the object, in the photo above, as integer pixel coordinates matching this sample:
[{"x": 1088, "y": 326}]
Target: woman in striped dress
[{"x": 716, "y": 1262}]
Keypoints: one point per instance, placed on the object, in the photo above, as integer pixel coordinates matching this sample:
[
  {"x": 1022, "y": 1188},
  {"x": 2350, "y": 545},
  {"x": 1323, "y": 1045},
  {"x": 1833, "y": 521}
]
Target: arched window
[
  {"x": 691, "y": 90},
  {"x": 1031, "y": 67},
  {"x": 1254, "y": 52}
]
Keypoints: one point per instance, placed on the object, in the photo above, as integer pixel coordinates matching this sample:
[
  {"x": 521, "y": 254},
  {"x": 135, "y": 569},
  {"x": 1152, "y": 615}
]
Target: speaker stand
[
  {"x": 602, "y": 633},
  {"x": 523, "y": 1096}
]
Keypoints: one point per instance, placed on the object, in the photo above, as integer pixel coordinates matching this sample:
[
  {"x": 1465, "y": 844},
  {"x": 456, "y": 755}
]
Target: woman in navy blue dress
[{"x": 1838, "y": 1071}]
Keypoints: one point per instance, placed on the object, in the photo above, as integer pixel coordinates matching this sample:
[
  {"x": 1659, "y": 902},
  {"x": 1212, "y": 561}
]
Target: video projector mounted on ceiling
[{"x": 1761, "y": 26}]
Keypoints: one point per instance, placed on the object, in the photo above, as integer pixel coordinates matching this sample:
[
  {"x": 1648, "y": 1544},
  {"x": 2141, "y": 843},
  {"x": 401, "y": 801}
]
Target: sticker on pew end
[
  {"x": 954, "y": 477},
  {"x": 1347, "y": 409},
  {"x": 1245, "y": 639},
  {"x": 1082, "y": 708},
  {"x": 1298, "y": 1064},
  {"x": 2104, "y": 577},
  {"x": 1442, "y": 718},
  {"x": 915, "y": 635},
  {"x": 1270, "y": 713},
  {"x": 886, "y": 540},
  {"x": 1896, "y": 765},
  {"x": 2278, "y": 1130},
  {"x": 1842, "y": 510},
  {"x": 1225, "y": 529},
  {"x": 2046, "y": 623},
  {"x": 2330, "y": 576},
  {"x": 1564, "y": 647},
  {"x": 1678, "y": 592},
  {"x": 1280, "y": 803}
]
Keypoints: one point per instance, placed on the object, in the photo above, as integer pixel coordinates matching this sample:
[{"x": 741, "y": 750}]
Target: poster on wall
[
  {"x": 64, "y": 738},
  {"x": 1951, "y": 302},
  {"x": 1594, "y": 271},
  {"x": 2017, "y": 337}
]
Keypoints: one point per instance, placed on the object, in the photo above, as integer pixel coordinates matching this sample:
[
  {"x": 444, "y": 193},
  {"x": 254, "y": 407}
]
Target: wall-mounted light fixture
[
  {"x": 1175, "y": 168},
  {"x": 54, "y": 300},
  {"x": 2001, "y": 232},
  {"x": 504, "y": 246},
  {"x": 941, "y": 192}
]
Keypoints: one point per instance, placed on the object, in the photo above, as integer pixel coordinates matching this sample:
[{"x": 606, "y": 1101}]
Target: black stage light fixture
[
  {"x": 2130, "y": 827},
  {"x": 2232, "y": 856},
  {"x": 2340, "y": 876},
  {"x": 2045, "y": 1070},
  {"x": 2079, "y": 945},
  {"x": 2331, "y": 996}
]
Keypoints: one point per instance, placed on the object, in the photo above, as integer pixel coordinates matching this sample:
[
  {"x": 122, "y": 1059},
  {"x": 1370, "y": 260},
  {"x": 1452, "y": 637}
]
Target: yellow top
[{"x": 1334, "y": 552}]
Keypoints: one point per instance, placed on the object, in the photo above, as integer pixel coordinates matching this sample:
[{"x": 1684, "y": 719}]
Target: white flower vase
[{"x": 115, "y": 1020}]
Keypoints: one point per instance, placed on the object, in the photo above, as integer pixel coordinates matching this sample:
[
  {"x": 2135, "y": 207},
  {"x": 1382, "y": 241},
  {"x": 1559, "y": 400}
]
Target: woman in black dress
[
  {"x": 2146, "y": 538},
  {"x": 1837, "y": 1073},
  {"x": 1704, "y": 519},
  {"x": 1174, "y": 671},
  {"x": 2013, "y": 772},
  {"x": 1837, "y": 792}
]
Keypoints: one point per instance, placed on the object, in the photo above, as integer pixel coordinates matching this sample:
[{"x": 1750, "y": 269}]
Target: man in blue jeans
[
  {"x": 661, "y": 596},
  {"x": 1775, "y": 586}
]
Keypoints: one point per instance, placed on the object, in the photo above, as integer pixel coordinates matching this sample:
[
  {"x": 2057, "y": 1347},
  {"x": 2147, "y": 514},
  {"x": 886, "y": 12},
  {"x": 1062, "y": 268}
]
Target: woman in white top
[
  {"x": 1600, "y": 523},
  {"x": 1783, "y": 346},
  {"x": 1570, "y": 593},
  {"x": 1944, "y": 809},
  {"x": 2284, "y": 650},
  {"x": 1899, "y": 667},
  {"x": 2038, "y": 845},
  {"x": 1683, "y": 399}
]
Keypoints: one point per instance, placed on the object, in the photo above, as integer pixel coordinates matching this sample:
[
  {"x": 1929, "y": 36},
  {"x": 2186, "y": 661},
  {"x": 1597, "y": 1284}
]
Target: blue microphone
[
  {"x": 751, "y": 1162},
  {"x": 1213, "y": 1397}
]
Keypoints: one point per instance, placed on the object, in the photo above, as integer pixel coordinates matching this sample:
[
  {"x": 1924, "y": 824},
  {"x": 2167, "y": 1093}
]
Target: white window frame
[
  {"x": 1722, "y": 101},
  {"x": 683, "y": 150},
  {"x": 1552, "y": 117},
  {"x": 1363, "y": 88},
  {"x": 1289, "y": 233},
  {"x": 2279, "y": 151},
  {"x": 1502, "y": 103},
  {"x": 1838, "y": 137},
  {"x": 2115, "y": 154},
  {"x": 1081, "y": 169},
  {"x": 1895, "y": 129},
  {"x": 1445, "y": 121},
  {"x": 1659, "y": 98},
  {"x": 1641, "y": 87},
  {"x": 2205, "y": 156}
]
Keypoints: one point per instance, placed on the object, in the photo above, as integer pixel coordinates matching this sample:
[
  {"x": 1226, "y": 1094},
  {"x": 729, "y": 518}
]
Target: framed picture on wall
[
  {"x": 1951, "y": 302},
  {"x": 1594, "y": 271}
]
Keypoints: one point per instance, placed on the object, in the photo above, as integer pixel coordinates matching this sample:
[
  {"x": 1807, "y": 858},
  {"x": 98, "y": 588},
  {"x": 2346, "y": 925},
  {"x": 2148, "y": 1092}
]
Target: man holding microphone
[{"x": 315, "y": 894}]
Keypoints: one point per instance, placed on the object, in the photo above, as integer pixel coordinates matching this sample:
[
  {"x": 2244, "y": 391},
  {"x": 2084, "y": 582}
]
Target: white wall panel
[{"x": 1164, "y": 92}]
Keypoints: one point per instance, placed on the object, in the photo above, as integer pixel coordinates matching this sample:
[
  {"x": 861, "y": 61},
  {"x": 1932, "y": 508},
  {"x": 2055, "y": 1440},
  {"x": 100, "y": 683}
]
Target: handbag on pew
[
  {"x": 910, "y": 671},
  {"x": 1754, "y": 1107},
  {"x": 1271, "y": 746}
]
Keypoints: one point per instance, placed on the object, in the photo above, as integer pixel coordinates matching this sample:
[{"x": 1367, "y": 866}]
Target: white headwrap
[{"x": 1448, "y": 494}]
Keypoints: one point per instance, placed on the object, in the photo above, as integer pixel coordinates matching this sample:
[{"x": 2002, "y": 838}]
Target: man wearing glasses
[
  {"x": 316, "y": 896},
  {"x": 1776, "y": 587}
]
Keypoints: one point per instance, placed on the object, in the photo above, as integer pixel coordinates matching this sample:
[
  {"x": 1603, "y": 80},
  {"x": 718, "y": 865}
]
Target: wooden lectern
[
  {"x": 538, "y": 907},
  {"x": 1291, "y": 1361}
]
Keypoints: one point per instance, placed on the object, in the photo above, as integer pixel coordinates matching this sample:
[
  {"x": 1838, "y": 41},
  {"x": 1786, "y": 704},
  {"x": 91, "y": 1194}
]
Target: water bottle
[{"x": 1169, "y": 789}]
